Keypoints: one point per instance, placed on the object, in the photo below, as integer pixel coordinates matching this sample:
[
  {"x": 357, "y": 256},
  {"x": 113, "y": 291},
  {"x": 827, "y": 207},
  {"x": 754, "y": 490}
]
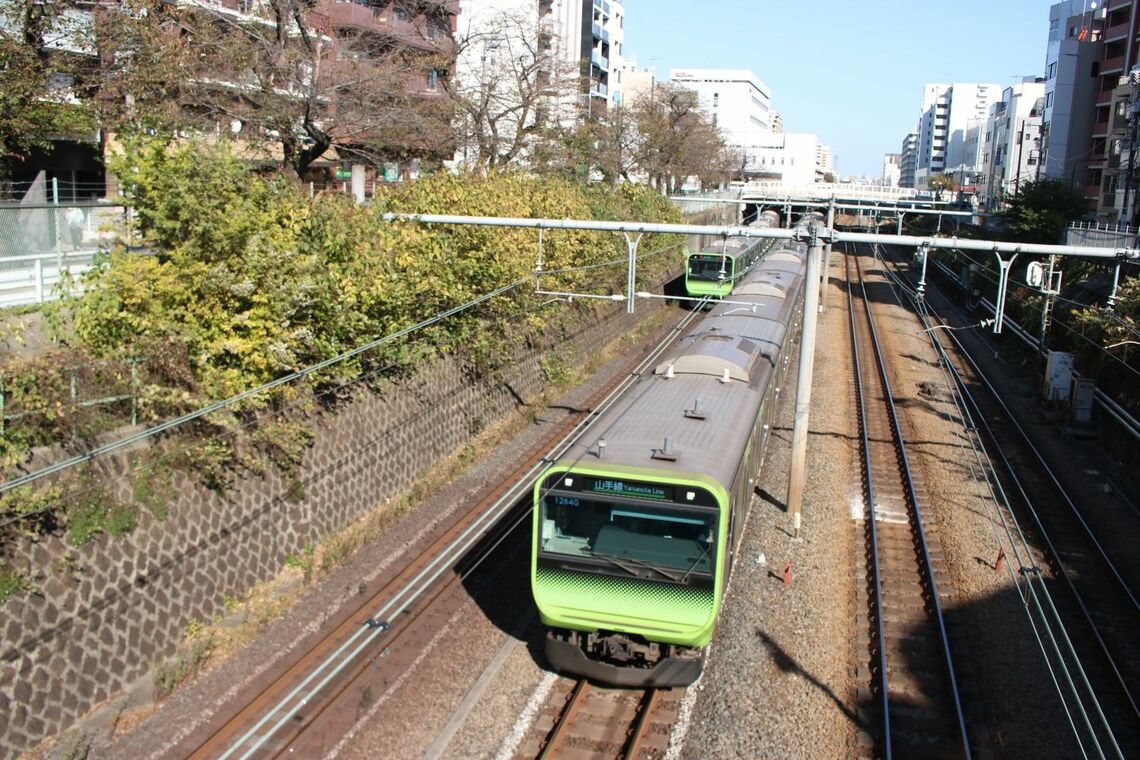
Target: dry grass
[{"x": 249, "y": 616}]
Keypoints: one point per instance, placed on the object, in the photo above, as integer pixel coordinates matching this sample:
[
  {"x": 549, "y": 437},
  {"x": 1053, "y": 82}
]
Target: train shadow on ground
[{"x": 500, "y": 585}]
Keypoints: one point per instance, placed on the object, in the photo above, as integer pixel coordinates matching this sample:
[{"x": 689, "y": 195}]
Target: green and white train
[
  {"x": 715, "y": 270},
  {"x": 636, "y": 524}
]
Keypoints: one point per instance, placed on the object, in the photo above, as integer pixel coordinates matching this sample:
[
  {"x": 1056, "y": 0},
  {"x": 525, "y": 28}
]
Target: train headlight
[
  {"x": 690, "y": 495},
  {"x": 568, "y": 482}
]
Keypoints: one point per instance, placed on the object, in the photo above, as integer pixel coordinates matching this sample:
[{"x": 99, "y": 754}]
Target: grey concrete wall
[{"x": 108, "y": 615}]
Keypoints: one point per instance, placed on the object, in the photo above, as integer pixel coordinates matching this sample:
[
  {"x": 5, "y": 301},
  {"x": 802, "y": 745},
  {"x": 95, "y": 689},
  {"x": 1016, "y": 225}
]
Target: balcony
[
  {"x": 364, "y": 17},
  {"x": 1109, "y": 65},
  {"x": 600, "y": 61},
  {"x": 601, "y": 33},
  {"x": 379, "y": 20},
  {"x": 1117, "y": 31}
]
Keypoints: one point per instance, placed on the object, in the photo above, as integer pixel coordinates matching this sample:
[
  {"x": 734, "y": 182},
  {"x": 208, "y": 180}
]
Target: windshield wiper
[
  {"x": 625, "y": 563},
  {"x": 697, "y": 561}
]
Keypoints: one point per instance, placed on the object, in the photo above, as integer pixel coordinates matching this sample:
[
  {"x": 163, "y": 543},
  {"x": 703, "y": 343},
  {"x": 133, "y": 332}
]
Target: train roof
[{"x": 705, "y": 394}]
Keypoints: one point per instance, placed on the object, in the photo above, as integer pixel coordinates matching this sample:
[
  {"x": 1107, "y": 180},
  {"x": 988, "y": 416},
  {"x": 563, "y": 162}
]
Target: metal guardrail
[
  {"x": 41, "y": 244},
  {"x": 1095, "y": 235}
]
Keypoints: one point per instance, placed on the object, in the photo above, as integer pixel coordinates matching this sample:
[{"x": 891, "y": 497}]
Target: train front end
[
  {"x": 709, "y": 275},
  {"x": 627, "y": 572}
]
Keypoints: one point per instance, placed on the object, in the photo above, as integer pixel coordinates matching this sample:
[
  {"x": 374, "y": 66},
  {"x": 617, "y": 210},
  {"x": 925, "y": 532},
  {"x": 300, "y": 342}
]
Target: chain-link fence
[
  {"x": 41, "y": 241},
  {"x": 1101, "y": 235}
]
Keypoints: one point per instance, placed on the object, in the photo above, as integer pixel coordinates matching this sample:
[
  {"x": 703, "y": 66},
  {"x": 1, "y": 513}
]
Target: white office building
[
  {"x": 891, "y": 165},
  {"x": 786, "y": 157},
  {"x": 738, "y": 102}
]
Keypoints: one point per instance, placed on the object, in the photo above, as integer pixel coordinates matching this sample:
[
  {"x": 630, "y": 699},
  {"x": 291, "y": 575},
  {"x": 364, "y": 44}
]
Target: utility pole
[
  {"x": 1126, "y": 211},
  {"x": 1017, "y": 167}
]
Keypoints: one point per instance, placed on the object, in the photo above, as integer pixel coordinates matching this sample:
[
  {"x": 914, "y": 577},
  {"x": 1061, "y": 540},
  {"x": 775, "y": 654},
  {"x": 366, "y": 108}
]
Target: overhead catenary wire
[
  {"x": 226, "y": 403},
  {"x": 1052, "y": 635},
  {"x": 253, "y": 392}
]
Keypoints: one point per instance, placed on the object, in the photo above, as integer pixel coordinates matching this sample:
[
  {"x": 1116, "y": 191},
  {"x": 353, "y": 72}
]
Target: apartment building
[
  {"x": 908, "y": 160},
  {"x": 1072, "y": 53},
  {"x": 635, "y": 82},
  {"x": 945, "y": 116},
  {"x": 1011, "y": 142},
  {"x": 1113, "y": 168},
  {"x": 586, "y": 35},
  {"x": 259, "y": 100},
  {"x": 824, "y": 160}
]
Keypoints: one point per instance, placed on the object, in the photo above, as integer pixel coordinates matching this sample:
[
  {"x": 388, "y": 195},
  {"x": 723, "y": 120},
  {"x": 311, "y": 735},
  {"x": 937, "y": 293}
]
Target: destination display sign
[
  {"x": 567, "y": 484},
  {"x": 626, "y": 488}
]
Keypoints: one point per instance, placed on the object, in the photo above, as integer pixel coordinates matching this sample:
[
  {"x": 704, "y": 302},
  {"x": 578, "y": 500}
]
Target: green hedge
[{"x": 251, "y": 279}]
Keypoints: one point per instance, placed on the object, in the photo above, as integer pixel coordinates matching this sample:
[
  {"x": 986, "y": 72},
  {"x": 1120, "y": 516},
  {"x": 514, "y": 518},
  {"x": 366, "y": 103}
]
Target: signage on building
[{"x": 391, "y": 172}]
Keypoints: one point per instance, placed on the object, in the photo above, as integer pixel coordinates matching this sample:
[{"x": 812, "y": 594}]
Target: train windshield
[
  {"x": 654, "y": 541},
  {"x": 709, "y": 267}
]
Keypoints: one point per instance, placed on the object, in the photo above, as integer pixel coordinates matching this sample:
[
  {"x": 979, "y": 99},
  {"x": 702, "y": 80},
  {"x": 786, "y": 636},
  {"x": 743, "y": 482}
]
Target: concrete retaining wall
[{"x": 108, "y": 612}]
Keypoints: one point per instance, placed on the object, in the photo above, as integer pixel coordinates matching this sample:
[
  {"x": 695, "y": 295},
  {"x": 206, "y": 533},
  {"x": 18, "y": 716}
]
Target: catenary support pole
[
  {"x": 803, "y": 381},
  {"x": 826, "y": 269},
  {"x": 631, "y": 243}
]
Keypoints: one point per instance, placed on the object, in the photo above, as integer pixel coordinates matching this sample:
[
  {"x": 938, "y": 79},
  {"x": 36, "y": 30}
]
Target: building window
[
  {"x": 433, "y": 78},
  {"x": 400, "y": 14},
  {"x": 716, "y": 99}
]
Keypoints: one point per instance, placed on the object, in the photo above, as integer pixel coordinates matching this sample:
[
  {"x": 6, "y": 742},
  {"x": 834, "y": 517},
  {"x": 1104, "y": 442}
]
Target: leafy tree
[
  {"x": 678, "y": 140},
  {"x": 508, "y": 93},
  {"x": 286, "y": 83},
  {"x": 940, "y": 183},
  {"x": 45, "y": 56},
  {"x": 1040, "y": 210}
]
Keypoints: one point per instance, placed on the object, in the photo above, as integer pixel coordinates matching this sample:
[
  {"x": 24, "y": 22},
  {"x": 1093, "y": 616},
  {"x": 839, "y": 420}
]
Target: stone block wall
[{"x": 108, "y": 612}]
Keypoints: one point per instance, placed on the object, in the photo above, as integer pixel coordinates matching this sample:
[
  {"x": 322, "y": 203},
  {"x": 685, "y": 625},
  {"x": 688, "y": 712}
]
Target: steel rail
[
  {"x": 577, "y": 699},
  {"x": 641, "y": 724},
  {"x": 1047, "y": 611},
  {"x": 878, "y": 587},
  {"x": 1130, "y": 424},
  {"x": 1056, "y": 483},
  {"x": 419, "y": 585},
  {"x": 329, "y": 701},
  {"x": 952, "y": 680},
  {"x": 1041, "y": 527}
]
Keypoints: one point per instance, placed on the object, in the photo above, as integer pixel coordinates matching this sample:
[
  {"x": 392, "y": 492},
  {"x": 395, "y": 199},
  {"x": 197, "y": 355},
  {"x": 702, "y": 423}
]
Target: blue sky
[{"x": 851, "y": 71}]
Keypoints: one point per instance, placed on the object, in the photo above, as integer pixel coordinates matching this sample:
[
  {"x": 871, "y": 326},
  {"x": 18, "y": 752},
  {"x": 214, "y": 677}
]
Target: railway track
[
  {"x": 303, "y": 706},
  {"x": 912, "y": 683},
  {"x": 1092, "y": 611},
  {"x": 582, "y": 721}
]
